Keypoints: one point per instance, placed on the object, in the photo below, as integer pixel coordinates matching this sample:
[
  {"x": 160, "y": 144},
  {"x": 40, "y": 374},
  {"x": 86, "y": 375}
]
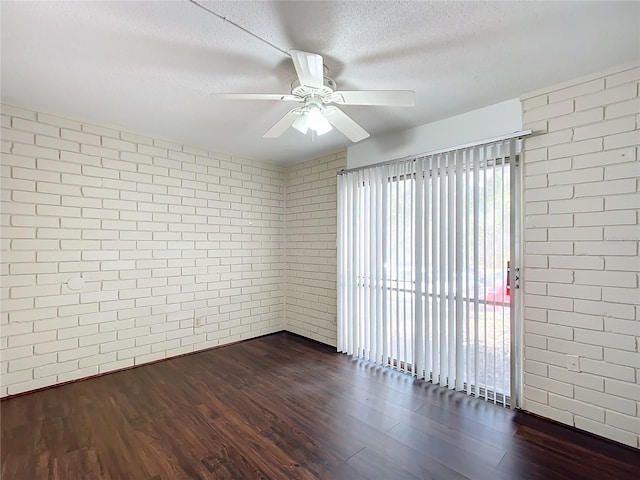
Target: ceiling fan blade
[
  {"x": 394, "y": 98},
  {"x": 257, "y": 96},
  {"x": 342, "y": 122},
  {"x": 309, "y": 67},
  {"x": 282, "y": 125}
]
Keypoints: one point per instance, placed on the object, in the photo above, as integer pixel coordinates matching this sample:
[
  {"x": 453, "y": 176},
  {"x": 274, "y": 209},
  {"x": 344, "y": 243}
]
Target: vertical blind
[{"x": 423, "y": 251}]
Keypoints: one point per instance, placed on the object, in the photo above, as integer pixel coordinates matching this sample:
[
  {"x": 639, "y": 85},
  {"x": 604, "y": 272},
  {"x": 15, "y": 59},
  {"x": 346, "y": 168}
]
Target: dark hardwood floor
[{"x": 281, "y": 407}]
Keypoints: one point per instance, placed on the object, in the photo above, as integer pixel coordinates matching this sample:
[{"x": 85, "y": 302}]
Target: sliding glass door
[{"x": 423, "y": 267}]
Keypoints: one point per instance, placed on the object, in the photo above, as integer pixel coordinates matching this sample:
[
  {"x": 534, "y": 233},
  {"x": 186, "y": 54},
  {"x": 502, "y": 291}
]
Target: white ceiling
[{"x": 149, "y": 66}]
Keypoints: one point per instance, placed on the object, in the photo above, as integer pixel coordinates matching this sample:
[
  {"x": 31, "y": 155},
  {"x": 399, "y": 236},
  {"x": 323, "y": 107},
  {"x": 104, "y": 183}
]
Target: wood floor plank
[
  {"x": 530, "y": 444},
  {"x": 372, "y": 465},
  {"x": 281, "y": 407},
  {"x": 462, "y": 460}
]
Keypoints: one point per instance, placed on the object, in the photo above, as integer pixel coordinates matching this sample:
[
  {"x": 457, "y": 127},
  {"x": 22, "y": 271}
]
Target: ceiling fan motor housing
[{"x": 325, "y": 92}]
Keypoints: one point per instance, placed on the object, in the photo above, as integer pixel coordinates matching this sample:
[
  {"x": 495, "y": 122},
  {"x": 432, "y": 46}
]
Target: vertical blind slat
[
  {"x": 435, "y": 288},
  {"x": 353, "y": 307},
  {"x": 484, "y": 270},
  {"x": 459, "y": 261},
  {"x": 417, "y": 268},
  {"x": 359, "y": 290},
  {"x": 503, "y": 250},
  {"x": 373, "y": 262},
  {"x": 385, "y": 270},
  {"x": 467, "y": 313},
  {"x": 451, "y": 269},
  {"x": 495, "y": 265},
  {"x": 396, "y": 273},
  {"x": 340, "y": 238},
  {"x": 442, "y": 255},
  {"x": 401, "y": 264},
  {"x": 476, "y": 271},
  {"x": 426, "y": 174},
  {"x": 379, "y": 265}
]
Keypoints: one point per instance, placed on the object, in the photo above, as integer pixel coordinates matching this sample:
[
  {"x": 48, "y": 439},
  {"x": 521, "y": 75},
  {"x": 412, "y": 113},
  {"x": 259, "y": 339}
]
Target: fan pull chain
[{"x": 225, "y": 19}]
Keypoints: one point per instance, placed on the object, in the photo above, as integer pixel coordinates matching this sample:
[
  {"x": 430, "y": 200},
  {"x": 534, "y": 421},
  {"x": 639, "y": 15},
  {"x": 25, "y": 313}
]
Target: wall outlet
[
  {"x": 198, "y": 322},
  {"x": 573, "y": 363}
]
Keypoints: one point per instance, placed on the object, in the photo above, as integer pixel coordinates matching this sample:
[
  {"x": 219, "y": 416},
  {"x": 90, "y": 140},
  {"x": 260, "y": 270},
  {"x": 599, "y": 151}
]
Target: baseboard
[
  {"x": 312, "y": 340},
  {"x": 56, "y": 385},
  {"x": 527, "y": 418}
]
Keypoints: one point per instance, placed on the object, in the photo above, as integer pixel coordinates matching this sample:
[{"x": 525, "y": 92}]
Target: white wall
[
  {"x": 310, "y": 246},
  {"x": 581, "y": 263},
  {"x": 162, "y": 233},
  {"x": 487, "y": 122}
]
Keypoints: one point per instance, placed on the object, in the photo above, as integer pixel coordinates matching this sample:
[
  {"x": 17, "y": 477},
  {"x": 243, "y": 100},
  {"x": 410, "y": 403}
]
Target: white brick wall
[
  {"x": 311, "y": 247},
  {"x": 162, "y": 233},
  {"x": 581, "y": 290}
]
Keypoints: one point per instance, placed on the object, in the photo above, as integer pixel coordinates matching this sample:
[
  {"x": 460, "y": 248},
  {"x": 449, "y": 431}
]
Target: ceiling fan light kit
[
  {"x": 301, "y": 124},
  {"x": 317, "y": 122},
  {"x": 312, "y": 118},
  {"x": 317, "y": 92}
]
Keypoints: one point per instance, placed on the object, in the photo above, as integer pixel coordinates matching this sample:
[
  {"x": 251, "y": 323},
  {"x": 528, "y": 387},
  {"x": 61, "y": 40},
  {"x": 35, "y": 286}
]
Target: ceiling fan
[{"x": 318, "y": 93}]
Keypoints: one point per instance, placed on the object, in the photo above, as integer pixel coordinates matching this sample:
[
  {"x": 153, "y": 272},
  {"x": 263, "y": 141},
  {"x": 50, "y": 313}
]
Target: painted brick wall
[
  {"x": 581, "y": 260},
  {"x": 161, "y": 233},
  {"x": 311, "y": 247}
]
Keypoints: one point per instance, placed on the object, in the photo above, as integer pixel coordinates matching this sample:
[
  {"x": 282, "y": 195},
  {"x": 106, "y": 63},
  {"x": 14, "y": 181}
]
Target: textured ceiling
[{"x": 149, "y": 66}]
